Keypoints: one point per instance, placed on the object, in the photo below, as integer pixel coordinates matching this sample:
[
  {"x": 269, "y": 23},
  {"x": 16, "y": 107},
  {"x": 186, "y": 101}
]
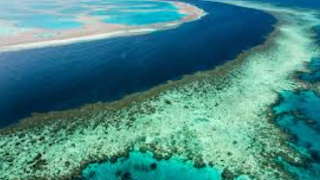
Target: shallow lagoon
[
  {"x": 314, "y": 75},
  {"x": 143, "y": 166},
  {"x": 298, "y": 113},
  {"x": 142, "y": 18},
  {"x": 52, "y": 14},
  {"x": 47, "y": 21}
]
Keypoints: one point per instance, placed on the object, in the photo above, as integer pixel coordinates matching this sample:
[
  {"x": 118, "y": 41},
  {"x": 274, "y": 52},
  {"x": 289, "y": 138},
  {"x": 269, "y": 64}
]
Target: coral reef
[{"x": 219, "y": 117}]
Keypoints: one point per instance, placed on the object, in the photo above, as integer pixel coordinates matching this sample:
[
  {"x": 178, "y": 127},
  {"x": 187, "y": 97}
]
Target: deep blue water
[{"x": 64, "y": 77}]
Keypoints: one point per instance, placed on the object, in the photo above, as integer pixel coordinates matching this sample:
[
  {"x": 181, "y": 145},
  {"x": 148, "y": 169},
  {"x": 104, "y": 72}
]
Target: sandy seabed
[{"x": 93, "y": 30}]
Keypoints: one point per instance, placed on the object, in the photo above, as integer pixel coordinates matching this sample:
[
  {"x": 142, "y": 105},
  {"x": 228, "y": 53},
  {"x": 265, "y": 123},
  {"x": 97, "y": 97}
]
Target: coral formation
[{"x": 219, "y": 117}]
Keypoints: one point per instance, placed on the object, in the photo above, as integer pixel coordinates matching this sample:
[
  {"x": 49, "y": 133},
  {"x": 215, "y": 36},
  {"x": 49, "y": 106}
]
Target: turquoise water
[
  {"x": 314, "y": 75},
  {"x": 45, "y": 6},
  {"x": 305, "y": 102},
  {"x": 104, "y": 13},
  {"x": 142, "y": 166},
  {"x": 48, "y": 21},
  {"x": 61, "y": 24},
  {"x": 317, "y": 28},
  {"x": 143, "y": 18},
  {"x": 61, "y": 15},
  {"x": 137, "y": 12},
  {"x": 128, "y": 3},
  {"x": 17, "y": 11},
  {"x": 44, "y": 21},
  {"x": 298, "y": 113},
  {"x": 74, "y": 10}
]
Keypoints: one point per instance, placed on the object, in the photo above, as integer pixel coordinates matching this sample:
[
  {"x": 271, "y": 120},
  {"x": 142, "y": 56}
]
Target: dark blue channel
[{"x": 64, "y": 77}]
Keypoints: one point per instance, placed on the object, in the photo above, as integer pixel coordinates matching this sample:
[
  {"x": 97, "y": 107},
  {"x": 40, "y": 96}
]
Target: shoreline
[
  {"x": 233, "y": 89},
  {"x": 191, "y": 12}
]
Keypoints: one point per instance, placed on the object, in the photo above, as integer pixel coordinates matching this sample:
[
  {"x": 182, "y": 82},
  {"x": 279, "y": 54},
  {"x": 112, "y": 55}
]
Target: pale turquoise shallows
[
  {"x": 62, "y": 15},
  {"x": 142, "y": 166}
]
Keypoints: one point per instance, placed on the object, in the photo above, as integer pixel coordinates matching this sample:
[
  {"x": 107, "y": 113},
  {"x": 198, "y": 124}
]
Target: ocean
[{"x": 69, "y": 76}]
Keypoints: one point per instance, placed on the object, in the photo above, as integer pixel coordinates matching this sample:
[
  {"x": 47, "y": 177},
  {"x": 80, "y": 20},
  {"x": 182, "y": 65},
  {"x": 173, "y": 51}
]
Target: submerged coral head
[{"x": 143, "y": 166}]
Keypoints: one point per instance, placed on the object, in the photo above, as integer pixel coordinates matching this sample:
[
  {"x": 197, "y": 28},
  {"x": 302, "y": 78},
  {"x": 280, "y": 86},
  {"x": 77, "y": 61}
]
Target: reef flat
[
  {"x": 34, "y": 24},
  {"x": 297, "y": 113},
  {"x": 221, "y": 117}
]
